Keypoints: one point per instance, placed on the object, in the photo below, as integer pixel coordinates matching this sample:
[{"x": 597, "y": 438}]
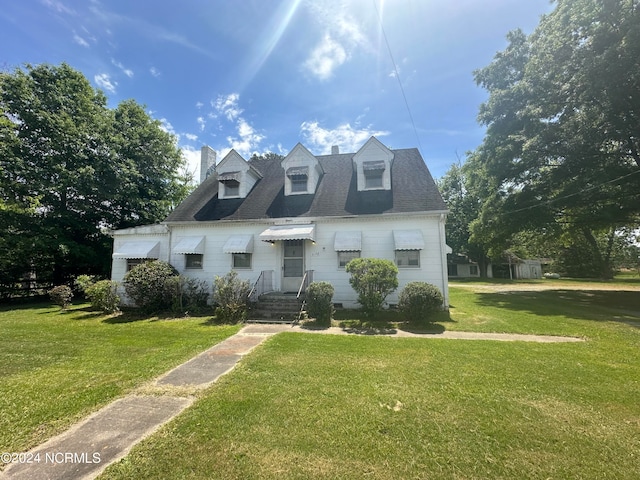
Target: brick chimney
[
  {"x": 207, "y": 162},
  {"x": 335, "y": 150}
]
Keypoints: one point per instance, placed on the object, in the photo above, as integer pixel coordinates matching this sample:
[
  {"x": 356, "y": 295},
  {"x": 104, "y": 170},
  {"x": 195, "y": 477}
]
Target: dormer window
[
  {"x": 373, "y": 174},
  {"x": 299, "y": 177},
  {"x": 231, "y": 184}
]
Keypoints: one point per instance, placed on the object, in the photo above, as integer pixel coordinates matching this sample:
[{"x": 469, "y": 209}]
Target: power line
[
  {"x": 593, "y": 187},
  {"x": 397, "y": 74}
]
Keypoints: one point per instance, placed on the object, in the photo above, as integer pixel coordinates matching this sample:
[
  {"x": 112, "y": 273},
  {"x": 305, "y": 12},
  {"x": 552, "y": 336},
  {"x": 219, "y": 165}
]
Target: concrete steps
[{"x": 276, "y": 307}]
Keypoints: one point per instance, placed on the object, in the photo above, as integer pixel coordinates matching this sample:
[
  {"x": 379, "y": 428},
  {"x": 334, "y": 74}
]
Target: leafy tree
[
  {"x": 562, "y": 148},
  {"x": 72, "y": 168},
  {"x": 464, "y": 203},
  {"x": 373, "y": 279}
]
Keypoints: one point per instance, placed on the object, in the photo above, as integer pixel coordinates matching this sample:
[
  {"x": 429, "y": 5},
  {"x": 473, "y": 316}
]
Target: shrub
[
  {"x": 373, "y": 279},
  {"x": 232, "y": 298},
  {"x": 83, "y": 282},
  {"x": 146, "y": 285},
  {"x": 319, "y": 306},
  {"x": 61, "y": 295},
  {"x": 103, "y": 295},
  {"x": 187, "y": 294},
  {"x": 418, "y": 300}
]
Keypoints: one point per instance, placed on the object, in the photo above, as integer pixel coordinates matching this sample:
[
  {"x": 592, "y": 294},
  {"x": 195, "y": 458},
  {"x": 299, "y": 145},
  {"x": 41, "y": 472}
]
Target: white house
[{"x": 280, "y": 224}]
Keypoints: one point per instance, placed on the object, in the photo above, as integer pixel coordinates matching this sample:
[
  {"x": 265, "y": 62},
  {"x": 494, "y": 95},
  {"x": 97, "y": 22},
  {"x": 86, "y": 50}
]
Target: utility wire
[
  {"x": 593, "y": 187},
  {"x": 397, "y": 74}
]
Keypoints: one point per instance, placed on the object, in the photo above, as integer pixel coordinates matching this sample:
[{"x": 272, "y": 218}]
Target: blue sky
[{"x": 263, "y": 75}]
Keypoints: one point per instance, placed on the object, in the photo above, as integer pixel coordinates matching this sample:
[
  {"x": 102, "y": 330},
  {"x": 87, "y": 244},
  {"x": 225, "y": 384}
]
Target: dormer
[
  {"x": 236, "y": 177},
  {"x": 373, "y": 166},
  {"x": 302, "y": 171}
]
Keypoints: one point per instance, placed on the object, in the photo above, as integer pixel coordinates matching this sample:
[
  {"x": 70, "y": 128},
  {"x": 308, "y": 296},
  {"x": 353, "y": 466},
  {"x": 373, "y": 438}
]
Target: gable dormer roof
[
  {"x": 236, "y": 175},
  {"x": 372, "y": 164},
  {"x": 412, "y": 190},
  {"x": 302, "y": 171}
]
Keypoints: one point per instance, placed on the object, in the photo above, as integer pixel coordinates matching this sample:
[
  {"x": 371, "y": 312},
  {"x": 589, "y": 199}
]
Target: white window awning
[
  {"x": 189, "y": 246},
  {"x": 373, "y": 166},
  {"x": 239, "y": 244},
  {"x": 142, "y": 249},
  {"x": 348, "y": 242},
  {"x": 229, "y": 177},
  {"x": 408, "y": 240},
  {"x": 288, "y": 232},
  {"x": 298, "y": 172}
]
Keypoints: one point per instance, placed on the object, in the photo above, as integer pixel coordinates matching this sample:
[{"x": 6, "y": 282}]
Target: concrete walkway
[{"x": 86, "y": 449}]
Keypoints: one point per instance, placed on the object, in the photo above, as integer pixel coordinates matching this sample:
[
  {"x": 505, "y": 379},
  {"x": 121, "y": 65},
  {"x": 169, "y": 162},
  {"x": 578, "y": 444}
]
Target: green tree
[
  {"x": 72, "y": 168},
  {"x": 562, "y": 148},
  {"x": 464, "y": 203}
]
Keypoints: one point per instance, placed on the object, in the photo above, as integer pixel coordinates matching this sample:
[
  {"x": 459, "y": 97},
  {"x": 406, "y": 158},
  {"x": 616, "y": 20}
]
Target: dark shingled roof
[{"x": 412, "y": 190}]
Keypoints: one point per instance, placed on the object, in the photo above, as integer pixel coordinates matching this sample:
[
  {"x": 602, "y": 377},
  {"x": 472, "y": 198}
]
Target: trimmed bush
[
  {"x": 83, "y": 282},
  {"x": 61, "y": 295},
  {"x": 103, "y": 295},
  {"x": 373, "y": 279},
  {"x": 146, "y": 285},
  {"x": 319, "y": 305},
  {"x": 187, "y": 294},
  {"x": 418, "y": 300},
  {"x": 231, "y": 296}
]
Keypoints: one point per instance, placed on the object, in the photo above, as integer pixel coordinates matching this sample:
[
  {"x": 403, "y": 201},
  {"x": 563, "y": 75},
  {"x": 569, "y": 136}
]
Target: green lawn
[
  {"x": 317, "y": 406},
  {"x": 56, "y": 367}
]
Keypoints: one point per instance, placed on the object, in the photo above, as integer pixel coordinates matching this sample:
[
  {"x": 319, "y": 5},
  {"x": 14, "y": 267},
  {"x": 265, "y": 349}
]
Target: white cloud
[
  {"x": 199, "y": 105},
  {"x": 191, "y": 157},
  {"x": 103, "y": 80},
  {"x": 342, "y": 36},
  {"x": 128, "y": 72},
  {"x": 166, "y": 126},
  {"x": 58, "y": 7},
  {"x": 247, "y": 141},
  {"x": 201, "y": 122},
  {"x": 348, "y": 138},
  {"x": 154, "y": 71},
  {"x": 325, "y": 58},
  {"x": 191, "y": 136},
  {"x": 80, "y": 41},
  {"x": 228, "y": 106}
]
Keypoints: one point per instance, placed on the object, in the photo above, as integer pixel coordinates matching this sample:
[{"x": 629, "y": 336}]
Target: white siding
[{"x": 320, "y": 256}]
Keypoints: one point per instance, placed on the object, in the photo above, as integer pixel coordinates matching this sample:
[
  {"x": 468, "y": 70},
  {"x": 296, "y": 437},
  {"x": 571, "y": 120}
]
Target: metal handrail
[
  {"x": 263, "y": 284},
  {"x": 255, "y": 285},
  {"x": 307, "y": 278}
]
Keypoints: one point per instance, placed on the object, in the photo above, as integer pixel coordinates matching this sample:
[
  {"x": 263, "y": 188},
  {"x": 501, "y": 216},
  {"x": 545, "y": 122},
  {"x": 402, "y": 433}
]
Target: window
[
  {"x": 299, "y": 183},
  {"x": 134, "y": 262},
  {"x": 241, "y": 260},
  {"x": 408, "y": 258},
  {"x": 453, "y": 269},
  {"x": 193, "y": 261},
  {"x": 373, "y": 178},
  {"x": 231, "y": 189},
  {"x": 473, "y": 270},
  {"x": 346, "y": 257}
]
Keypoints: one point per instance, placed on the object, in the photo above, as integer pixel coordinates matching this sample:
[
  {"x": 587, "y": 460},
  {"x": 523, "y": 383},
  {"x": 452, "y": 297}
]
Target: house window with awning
[
  {"x": 231, "y": 184},
  {"x": 299, "y": 178},
  {"x": 348, "y": 246},
  {"x": 241, "y": 249},
  {"x": 373, "y": 174},
  {"x": 193, "y": 250},
  {"x": 138, "y": 252},
  {"x": 407, "y": 244}
]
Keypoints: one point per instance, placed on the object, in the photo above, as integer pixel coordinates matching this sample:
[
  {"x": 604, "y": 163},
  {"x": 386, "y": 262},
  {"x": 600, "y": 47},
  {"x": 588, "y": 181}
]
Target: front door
[{"x": 292, "y": 265}]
